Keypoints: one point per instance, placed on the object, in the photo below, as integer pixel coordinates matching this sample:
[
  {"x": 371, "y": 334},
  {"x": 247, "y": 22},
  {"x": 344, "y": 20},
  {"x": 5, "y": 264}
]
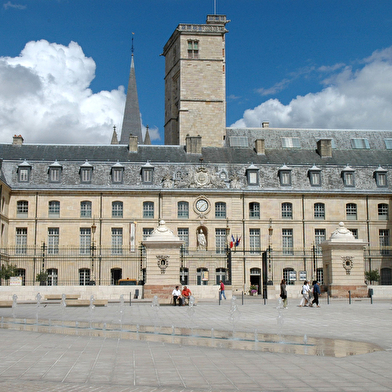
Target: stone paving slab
[{"x": 49, "y": 362}]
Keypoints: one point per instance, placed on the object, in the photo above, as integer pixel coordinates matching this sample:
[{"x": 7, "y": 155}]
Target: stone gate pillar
[
  {"x": 344, "y": 264},
  {"x": 162, "y": 263}
]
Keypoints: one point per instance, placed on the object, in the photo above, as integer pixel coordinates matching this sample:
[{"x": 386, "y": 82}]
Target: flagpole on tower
[{"x": 214, "y": 7}]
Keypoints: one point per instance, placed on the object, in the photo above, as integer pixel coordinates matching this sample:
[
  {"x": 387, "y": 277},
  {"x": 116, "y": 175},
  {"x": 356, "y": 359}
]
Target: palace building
[{"x": 237, "y": 198}]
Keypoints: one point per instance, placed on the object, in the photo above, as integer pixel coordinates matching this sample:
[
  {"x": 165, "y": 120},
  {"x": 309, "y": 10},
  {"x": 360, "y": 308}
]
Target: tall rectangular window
[
  {"x": 85, "y": 209},
  {"x": 287, "y": 241},
  {"x": 349, "y": 179},
  {"x": 183, "y": 209},
  {"x": 86, "y": 174},
  {"x": 85, "y": 240},
  {"x": 220, "y": 241},
  {"x": 220, "y": 210},
  {"x": 53, "y": 240},
  {"x": 23, "y": 175},
  {"x": 383, "y": 235},
  {"x": 287, "y": 211},
  {"x": 22, "y": 208},
  {"x": 183, "y": 235},
  {"x": 383, "y": 211},
  {"x": 21, "y": 240},
  {"x": 54, "y": 208},
  {"x": 254, "y": 210},
  {"x": 54, "y": 174},
  {"x": 117, "y": 209},
  {"x": 319, "y": 211},
  {"x": 193, "y": 49},
  {"x": 148, "y": 209},
  {"x": 351, "y": 211},
  {"x": 254, "y": 241},
  {"x": 117, "y": 241},
  {"x": 319, "y": 237}
]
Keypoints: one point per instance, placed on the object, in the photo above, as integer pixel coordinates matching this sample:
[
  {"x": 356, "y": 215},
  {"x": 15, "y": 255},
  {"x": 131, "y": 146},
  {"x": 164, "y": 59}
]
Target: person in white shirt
[
  {"x": 305, "y": 294},
  {"x": 176, "y": 296}
]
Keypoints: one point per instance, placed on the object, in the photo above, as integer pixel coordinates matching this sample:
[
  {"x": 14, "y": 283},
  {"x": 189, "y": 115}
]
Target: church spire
[{"x": 131, "y": 123}]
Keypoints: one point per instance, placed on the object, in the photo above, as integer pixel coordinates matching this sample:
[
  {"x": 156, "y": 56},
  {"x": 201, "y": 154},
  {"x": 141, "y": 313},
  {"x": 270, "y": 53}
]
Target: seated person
[
  {"x": 176, "y": 296},
  {"x": 186, "y": 293}
]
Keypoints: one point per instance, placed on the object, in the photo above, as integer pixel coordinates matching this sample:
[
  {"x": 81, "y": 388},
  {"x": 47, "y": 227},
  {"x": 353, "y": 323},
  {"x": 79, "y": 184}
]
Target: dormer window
[
  {"x": 360, "y": 143},
  {"x": 86, "y": 173},
  {"x": 315, "y": 176},
  {"x": 23, "y": 171},
  {"x": 54, "y": 172},
  {"x": 252, "y": 175},
  {"x": 348, "y": 176},
  {"x": 285, "y": 176},
  {"x": 147, "y": 172},
  {"x": 380, "y": 176},
  {"x": 117, "y": 173}
]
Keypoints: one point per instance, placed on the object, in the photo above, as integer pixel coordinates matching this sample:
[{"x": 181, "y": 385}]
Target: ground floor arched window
[
  {"x": 184, "y": 276},
  {"x": 386, "y": 276},
  {"x": 220, "y": 275},
  {"x": 52, "y": 277},
  {"x": 84, "y": 276},
  {"x": 22, "y": 273},
  {"x": 202, "y": 276},
  {"x": 288, "y": 274},
  {"x": 115, "y": 275}
]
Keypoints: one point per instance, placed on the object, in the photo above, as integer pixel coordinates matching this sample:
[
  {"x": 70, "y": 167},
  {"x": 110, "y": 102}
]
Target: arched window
[
  {"x": 288, "y": 275},
  {"x": 220, "y": 275},
  {"x": 116, "y": 275},
  {"x": 254, "y": 210},
  {"x": 84, "y": 276},
  {"x": 202, "y": 276},
  {"x": 22, "y": 208},
  {"x": 117, "y": 209},
  {"x": 351, "y": 211},
  {"x": 183, "y": 210},
  {"x": 85, "y": 209},
  {"x": 52, "y": 276},
  {"x": 319, "y": 210},
  {"x": 287, "y": 211},
  {"x": 220, "y": 210},
  {"x": 54, "y": 208},
  {"x": 383, "y": 211}
]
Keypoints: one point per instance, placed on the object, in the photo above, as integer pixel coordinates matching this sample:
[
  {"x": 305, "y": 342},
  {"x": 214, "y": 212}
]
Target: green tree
[
  {"x": 8, "y": 270},
  {"x": 42, "y": 277},
  {"x": 372, "y": 276}
]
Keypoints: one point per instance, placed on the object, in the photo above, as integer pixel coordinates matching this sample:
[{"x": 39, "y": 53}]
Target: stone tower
[{"x": 195, "y": 82}]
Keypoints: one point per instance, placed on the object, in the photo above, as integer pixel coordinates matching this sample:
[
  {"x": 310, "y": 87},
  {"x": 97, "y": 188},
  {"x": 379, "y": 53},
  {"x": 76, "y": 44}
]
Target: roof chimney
[
  {"x": 260, "y": 146},
  {"x": 132, "y": 146},
  {"x": 193, "y": 144},
  {"x": 17, "y": 140},
  {"x": 324, "y": 148}
]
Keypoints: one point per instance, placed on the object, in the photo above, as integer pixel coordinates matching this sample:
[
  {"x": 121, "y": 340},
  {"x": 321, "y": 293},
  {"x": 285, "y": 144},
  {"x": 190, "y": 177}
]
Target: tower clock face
[{"x": 202, "y": 205}]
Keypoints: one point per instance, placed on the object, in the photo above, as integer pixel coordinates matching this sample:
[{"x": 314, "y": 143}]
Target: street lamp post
[
  {"x": 93, "y": 228},
  {"x": 270, "y": 232}
]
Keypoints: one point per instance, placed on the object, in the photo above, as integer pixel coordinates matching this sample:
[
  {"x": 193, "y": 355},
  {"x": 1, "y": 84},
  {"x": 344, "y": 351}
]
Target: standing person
[
  {"x": 176, "y": 296},
  {"x": 221, "y": 291},
  {"x": 186, "y": 293},
  {"x": 283, "y": 293},
  {"x": 316, "y": 293},
  {"x": 304, "y": 292}
]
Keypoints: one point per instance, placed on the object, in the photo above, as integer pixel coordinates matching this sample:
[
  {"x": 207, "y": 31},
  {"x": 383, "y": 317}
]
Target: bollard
[
  {"x": 265, "y": 301},
  {"x": 242, "y": 298},
  {"x": 349, "y": 297},
  {"x": 328, "y": 297},
  {"x": 371, "y": 297},
  {"x": 130, "y": 298},
  {"x": 219, "y": 299}
]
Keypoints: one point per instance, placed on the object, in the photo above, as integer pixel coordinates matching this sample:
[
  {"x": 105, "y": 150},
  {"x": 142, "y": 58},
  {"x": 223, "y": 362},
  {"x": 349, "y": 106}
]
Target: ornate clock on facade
[{"x": 202, "y": 205}]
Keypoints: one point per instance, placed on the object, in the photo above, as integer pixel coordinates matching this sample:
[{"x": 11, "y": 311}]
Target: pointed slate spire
[
  {"x": 131, "y": 123},
  {"x": 114, "y": 136},
  {"x": 147, "y": 139}
]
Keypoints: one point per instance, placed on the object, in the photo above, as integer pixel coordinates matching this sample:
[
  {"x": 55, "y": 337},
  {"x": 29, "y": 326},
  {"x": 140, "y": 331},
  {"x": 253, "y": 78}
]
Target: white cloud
[
  {"x": 45, "y": 96},
  {"x": 11, "y": 5},
  {"x": 350, "y": 99}
]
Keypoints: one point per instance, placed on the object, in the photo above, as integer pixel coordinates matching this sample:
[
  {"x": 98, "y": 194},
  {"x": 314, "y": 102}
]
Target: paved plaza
[{"x": 42, "y": 361}]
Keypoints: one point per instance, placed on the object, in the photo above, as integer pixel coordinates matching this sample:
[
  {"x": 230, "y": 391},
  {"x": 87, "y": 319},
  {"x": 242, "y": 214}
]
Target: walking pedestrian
[
  {"x": 221, "y": 291},
  {"x": 283, "y": 293}
]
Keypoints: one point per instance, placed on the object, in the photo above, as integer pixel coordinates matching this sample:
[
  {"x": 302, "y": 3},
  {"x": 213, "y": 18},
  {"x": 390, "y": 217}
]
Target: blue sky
[{"x": 297, "y": 63}]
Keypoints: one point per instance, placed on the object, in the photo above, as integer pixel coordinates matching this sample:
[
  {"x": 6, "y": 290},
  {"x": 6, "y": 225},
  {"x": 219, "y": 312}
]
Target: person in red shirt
[
  {"x": 221, "y": 291},
  {"x": 186, "y": 293}
]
